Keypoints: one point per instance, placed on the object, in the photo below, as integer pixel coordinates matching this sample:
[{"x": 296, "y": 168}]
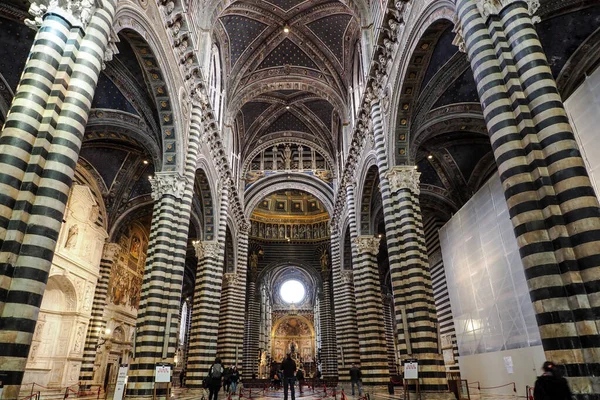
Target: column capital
[
  {"x": 367, "y": 244},
  {"x": 77, "y": 12},
  {"x": 347, "y": 276},
  {"x": 231, "y": 279},
  {"x": 110, "y": 251},
  {"x": 404, "y": 177},
  {"x": 172, "y": 183},
  {"x": 493, "y": 7},
  {"x": 206, "y": 248}
]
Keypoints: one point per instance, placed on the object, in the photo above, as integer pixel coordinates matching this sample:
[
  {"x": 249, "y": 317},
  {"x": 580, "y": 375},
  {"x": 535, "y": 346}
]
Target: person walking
[
  {"x": 215, "y": 375},
  {"x": 181, "y": 377},
  {"x": 300, "y": 377},
  {"x": 355, "y": 377},
  {"x": 551, "y": 385},
  {"x": 289, "y": 376},
  {"x": 227, "y": 379},
  {"x": 235, "y": 377}
]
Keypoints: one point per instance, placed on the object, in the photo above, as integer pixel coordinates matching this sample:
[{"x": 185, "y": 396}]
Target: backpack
[{"x": 216, "y": 371}]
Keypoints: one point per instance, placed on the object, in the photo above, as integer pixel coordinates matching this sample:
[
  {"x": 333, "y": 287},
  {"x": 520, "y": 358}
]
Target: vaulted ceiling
[{"x": 287, "y": 66}]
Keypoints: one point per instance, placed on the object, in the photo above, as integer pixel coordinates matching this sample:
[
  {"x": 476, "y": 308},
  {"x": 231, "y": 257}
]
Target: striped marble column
[
  {"x": 369, "y": 313},
  {"x": 207, "y": 301},
  {"x": 345, "y": 312},
  {"x": 37, "y": 168},
  {"x": 233, "y": 300},
  {"x": 411, "y": 280},
  {"x": 552, "y": 205},
  {"x": 251, "y": 328},
  {"x": 97, "y": 322},
  {"x": 160, "y": 300},
  {"x": 328, "y": 339}
]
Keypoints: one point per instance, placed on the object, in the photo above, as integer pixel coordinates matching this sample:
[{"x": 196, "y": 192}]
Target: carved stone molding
[
  {"x": 208, "y": 249},
  {"x": 367, "y": 244},
  {"x": 347, "y": 276},
  {"x": 404, "y": 177},
  {"x": 231, "y": 279},
  {"x": 168, "y": 183},
  {"x": 78, "y": 12},
  {"x": 110, "y": 251},
  {"x": 493, "y": 7}
]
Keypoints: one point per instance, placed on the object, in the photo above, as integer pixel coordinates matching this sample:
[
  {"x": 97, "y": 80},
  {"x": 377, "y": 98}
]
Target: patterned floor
[{"x": 319, "y": 394}]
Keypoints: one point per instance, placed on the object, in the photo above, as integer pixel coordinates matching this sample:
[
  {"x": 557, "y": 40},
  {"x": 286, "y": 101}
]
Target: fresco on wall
[{"x": 126, "y": 275}]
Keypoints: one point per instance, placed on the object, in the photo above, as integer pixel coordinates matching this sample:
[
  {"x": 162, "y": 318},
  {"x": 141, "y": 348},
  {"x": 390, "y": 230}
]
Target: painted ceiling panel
[
  {"x": 287, "y": 53},
  {"x": 462, "y": 90},
  {"x": 241, "y": 31},
  {"x": 466, "y": 157},
  {"x": 127, "y": 57},
  {"x": 287, "y": 122},
  {"x": 15, "y": 42},
  {"x": 444, "y": 50},
  {"x": 331, "y": 31},
  {"x": 143, "y": 186},
  {"x": 286, "y": 5},
  {"x": 322, "y": 109},
  {"x": 107, "y": 161},
  {"x": 253, "y": 110},
  {"x": 429, "y": 175},
  {"x": 109, "y": 96}
]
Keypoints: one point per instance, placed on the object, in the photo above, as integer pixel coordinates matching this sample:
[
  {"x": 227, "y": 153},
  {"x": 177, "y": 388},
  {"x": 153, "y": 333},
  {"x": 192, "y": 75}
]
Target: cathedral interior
[{"x": 351, "y": 182}]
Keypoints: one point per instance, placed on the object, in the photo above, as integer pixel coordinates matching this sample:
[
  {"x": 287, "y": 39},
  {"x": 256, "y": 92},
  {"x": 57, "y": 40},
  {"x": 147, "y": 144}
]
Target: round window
[{"x": 292, "y": 291}]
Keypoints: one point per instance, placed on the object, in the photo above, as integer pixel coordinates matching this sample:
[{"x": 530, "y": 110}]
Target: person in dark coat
[
  {"x": 181, "y": 377},
  {"x": 215, "y": 378},
  {"x": 235, "y": 377},
  {"x": 289, "y": 376},
  {"x": 551, "y": 385},
  {"x": 355, "y": 376},
  {"x": 300, "y": 377}
]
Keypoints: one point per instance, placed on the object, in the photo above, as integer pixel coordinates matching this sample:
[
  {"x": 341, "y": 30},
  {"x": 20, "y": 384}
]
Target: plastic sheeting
[{"x": 486, "y": 281}]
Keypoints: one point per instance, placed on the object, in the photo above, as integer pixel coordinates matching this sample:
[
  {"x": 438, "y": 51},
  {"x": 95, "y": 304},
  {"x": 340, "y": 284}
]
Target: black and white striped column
[
  {"x": 345, "y": 312},
  {"x": 251, "y": 328},
  {"x": 328, "y": 339},
  {"x": 553, "y": 208},
  {"x": 232, "y": 314},
  {"x": 411, "y": 280},
  {"x": 157, "y": 320},
  {"x": 37, "y": 168},
  {"x": 207, "y": 300},
  {"x": 97, "y": 322}
]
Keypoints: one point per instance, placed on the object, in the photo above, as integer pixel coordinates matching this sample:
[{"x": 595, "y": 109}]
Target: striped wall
[
  {"x": 39, "y": 147},
  {"x": 443, "y": 308},
  {"x": 552, "y": 205},
  {"x": 414, "y": 306},
  {"x": 345, "y": 309},
  {"x": 388, "y": 311},
  {"x": 207, "y": 301},
  {"x": 160, "y": 301},
  {"x": 97, "y": 322},
  {"x": 233, "y": 299}
]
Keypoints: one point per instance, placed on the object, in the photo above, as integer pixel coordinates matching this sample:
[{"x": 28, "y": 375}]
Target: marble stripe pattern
[
  {"x": 251, "y": 329},
  {"x": 328, "y": 339},
  {"x": 409, "y": 269},
  {"x": 345, "y": 312},
  {"x": 369, "y": 307},
  {"x": 233, "y": 300},
  {"x": 163, "y": 276},
  {"x": 207, "y": 301},
  {"x": 97, "y": 322},
  {"x": 35, "y": 187},
  {"x": 552, "y": 205}
]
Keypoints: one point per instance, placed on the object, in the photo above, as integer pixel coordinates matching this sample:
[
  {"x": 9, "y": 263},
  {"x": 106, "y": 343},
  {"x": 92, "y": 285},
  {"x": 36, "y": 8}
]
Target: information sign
[
  {"x": 411, "y": 369},
  {"x": 121, "y": 382},
  {"x": 162, "y": 374}
]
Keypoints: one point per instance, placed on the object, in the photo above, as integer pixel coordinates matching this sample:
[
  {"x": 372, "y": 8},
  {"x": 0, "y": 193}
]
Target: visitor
[
  {"x": 235, "y": 377},
  {"x": 355, "y": 377},
  {"x": 215, "y": 375},
  {"x": 181, "y": 377},
  {"x": 227, "y": 379},
  {"x": 289, "y": 376},
  {"x": 551, "y": 385},
  {"x": 300, "y": 377}
]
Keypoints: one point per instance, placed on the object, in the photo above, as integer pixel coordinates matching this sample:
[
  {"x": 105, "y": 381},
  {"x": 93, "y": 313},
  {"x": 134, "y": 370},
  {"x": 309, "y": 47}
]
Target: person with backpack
[
  {"x": 551, "y": 385},
  {"x": 215, "y": 376}
]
